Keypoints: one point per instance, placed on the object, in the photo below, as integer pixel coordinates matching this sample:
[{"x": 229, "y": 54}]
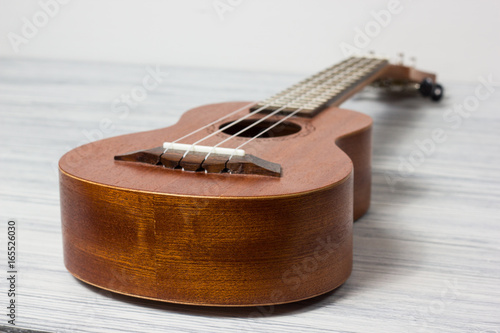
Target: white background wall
[{"x": 459, "y": 39}]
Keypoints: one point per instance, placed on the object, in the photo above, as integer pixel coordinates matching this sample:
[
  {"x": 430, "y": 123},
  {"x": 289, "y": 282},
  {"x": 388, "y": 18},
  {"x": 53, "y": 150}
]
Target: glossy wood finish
[{"x": 219, "y": 239}]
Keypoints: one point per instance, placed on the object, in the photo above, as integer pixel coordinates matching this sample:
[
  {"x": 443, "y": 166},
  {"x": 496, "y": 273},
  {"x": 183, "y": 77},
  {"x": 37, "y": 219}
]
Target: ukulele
[{"x": 237, "y": 204}]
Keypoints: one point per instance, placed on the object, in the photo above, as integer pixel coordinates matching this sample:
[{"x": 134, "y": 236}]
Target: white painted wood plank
[{"x": 426, "y": 257}]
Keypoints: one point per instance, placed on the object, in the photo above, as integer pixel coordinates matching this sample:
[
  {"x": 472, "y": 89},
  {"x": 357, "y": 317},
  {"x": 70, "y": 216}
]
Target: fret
[{"x": 328, "y": 87}]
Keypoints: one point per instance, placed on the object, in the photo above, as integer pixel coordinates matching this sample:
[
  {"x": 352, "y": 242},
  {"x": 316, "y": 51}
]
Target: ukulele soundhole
[{"x": 282, "y": 129}]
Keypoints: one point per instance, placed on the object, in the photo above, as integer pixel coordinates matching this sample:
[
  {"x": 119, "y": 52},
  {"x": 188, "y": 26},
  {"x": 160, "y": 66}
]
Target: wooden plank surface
[{"x": 426, "y": 256}]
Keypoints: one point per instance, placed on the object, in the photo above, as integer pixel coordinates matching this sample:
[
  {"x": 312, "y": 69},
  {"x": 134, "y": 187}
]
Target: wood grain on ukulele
[{"x": 271, "y": 225}]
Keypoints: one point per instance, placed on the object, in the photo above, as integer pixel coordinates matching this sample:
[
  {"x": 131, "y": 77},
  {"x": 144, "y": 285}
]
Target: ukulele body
[{"x": 219, "y": 239}]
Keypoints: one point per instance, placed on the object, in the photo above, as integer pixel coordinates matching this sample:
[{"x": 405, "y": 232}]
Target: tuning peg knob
[
  {"x": 426, "y": 87},
  {"x": 437, "y": 92}
]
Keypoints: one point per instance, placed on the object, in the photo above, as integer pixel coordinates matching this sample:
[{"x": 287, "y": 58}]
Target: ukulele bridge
[{"x": 220, "y": 161}]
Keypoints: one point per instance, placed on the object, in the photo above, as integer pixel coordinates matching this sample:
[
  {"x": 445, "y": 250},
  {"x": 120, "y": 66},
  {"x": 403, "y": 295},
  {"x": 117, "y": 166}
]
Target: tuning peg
[
  {"x": 437, "y": 92},
  {"x": 413, "y": 62},
  {"x": 430, "y": 89},
  {"x": 426, "y": 87},
  {"x": 401, "y": 57}
]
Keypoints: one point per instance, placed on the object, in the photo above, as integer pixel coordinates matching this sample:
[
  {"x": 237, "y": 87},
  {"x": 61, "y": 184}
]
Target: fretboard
[{"x": 329, "y": 87}]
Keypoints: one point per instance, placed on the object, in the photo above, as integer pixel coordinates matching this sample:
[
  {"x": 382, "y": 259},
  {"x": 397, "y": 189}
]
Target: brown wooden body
[{"x": 219, "y": 239}]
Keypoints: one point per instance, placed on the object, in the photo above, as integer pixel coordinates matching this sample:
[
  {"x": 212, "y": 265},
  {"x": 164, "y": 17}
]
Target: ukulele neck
[{"x": 329, "y": 87}]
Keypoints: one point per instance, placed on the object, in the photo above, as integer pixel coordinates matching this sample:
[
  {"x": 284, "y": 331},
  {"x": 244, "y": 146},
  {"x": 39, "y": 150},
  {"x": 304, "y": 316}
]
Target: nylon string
[
  {"x": 321, "y": 75},
  {"x": 275, "y": 112}
]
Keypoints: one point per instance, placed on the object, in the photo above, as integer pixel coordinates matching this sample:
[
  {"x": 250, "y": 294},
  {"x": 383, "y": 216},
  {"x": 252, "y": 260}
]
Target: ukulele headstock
[{"x": 402, "y": 77}]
